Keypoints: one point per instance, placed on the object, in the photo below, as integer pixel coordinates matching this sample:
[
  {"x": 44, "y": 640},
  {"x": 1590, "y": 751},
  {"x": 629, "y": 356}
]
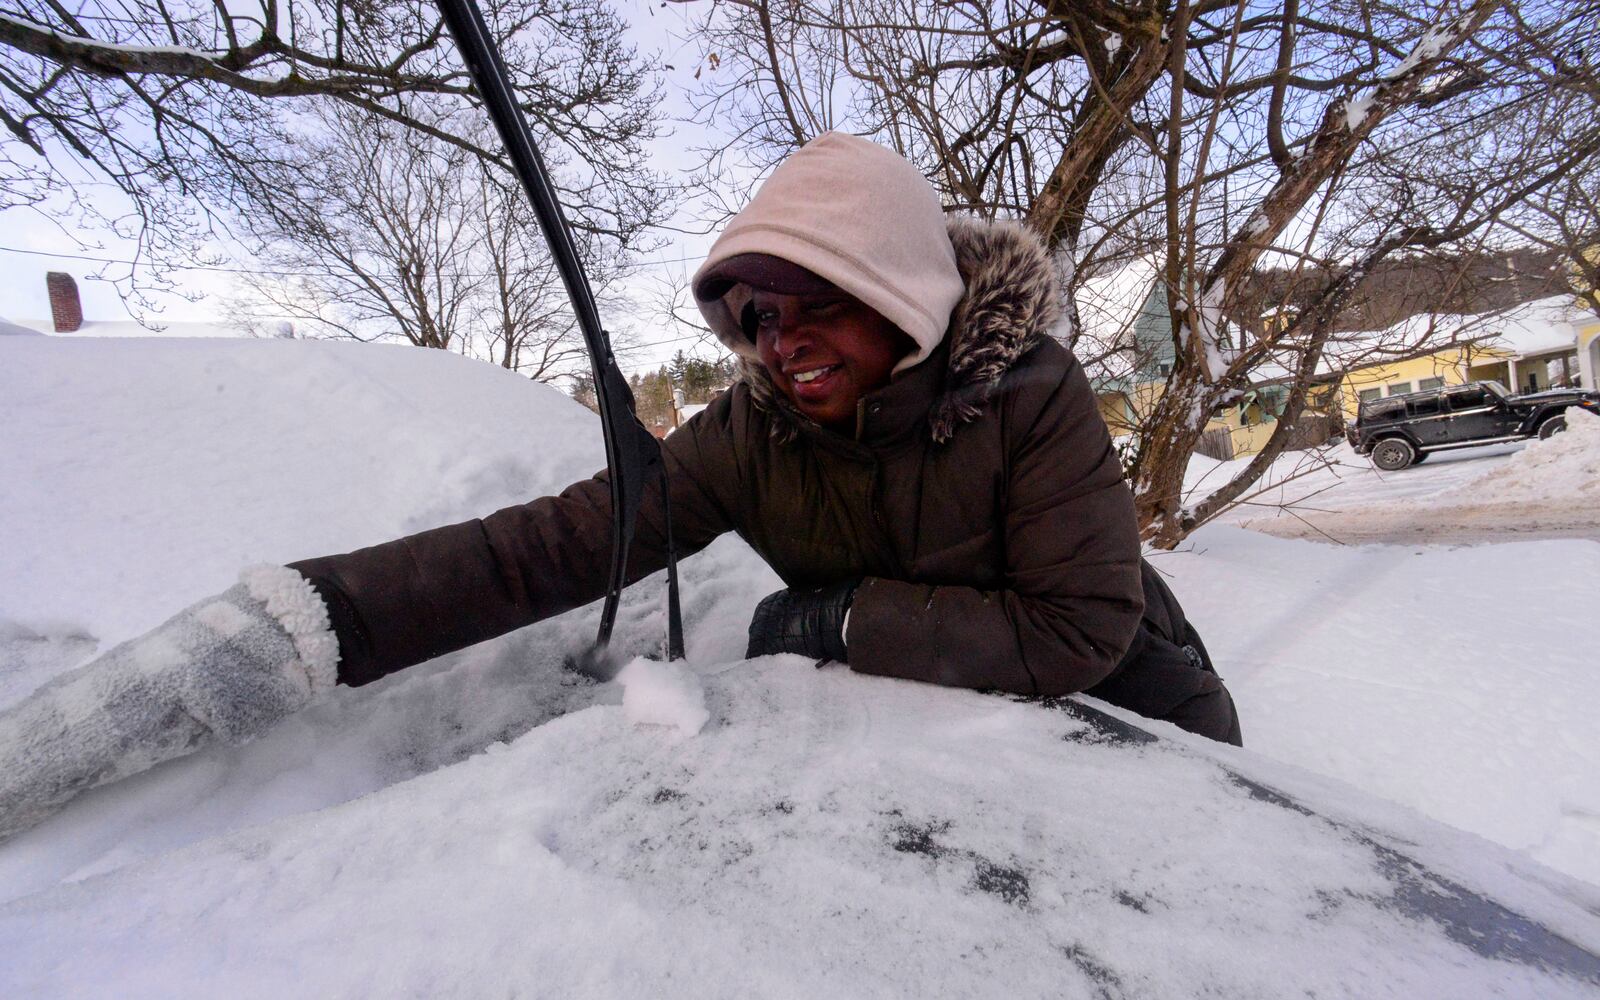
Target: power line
[{"x": 267, "y": 270}]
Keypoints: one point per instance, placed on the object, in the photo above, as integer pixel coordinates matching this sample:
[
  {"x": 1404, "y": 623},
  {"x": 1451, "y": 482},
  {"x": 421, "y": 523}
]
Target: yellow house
[
  {"x": 1588, "y": 327},
  {"x": 1538, "y": 345},
  {"x": 1235, "y": 430},
  {"x": 1126, "y": 326},
  {"x": 1589, "y": 352}
]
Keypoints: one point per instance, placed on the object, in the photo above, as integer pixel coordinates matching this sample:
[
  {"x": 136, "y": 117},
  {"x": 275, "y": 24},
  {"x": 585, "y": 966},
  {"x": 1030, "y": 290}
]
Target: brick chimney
[{"x": 65, "y": 309}]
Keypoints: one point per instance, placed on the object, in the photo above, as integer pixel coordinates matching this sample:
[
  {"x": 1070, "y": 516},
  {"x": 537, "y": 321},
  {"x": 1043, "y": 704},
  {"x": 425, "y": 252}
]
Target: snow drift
[{"x": 1564, "y": 468}]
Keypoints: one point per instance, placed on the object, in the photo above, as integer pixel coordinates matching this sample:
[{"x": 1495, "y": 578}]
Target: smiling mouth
[{"x": 811, "y": 376}]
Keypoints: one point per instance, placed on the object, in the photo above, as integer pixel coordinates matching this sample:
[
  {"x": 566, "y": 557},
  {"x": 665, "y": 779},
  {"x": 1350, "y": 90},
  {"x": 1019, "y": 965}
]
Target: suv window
[
  {"x": 1384, "y": 409},
  {"x": 1426, "y": 406},
  {"x": 1468, "y": 397}
]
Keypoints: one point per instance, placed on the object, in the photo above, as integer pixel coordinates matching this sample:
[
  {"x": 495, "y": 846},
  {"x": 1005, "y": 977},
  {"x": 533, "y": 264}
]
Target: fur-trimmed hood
[{"x": 1010, "y": 304}]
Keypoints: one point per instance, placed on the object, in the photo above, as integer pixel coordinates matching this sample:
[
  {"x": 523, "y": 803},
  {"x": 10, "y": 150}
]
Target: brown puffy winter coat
[{"x": 979, "y": 500}]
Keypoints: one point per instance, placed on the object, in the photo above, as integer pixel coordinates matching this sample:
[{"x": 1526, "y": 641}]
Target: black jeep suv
[{"x": 1402, "y": 430}]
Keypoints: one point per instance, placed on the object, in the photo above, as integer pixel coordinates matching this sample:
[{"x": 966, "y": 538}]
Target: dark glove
[{"x": 809, "y": 622}]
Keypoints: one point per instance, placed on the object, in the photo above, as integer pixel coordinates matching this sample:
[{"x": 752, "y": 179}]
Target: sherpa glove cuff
[{"x": 227, "y": 668}]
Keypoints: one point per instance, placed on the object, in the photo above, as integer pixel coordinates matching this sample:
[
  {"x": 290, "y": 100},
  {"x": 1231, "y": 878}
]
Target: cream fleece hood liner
[{"x": 860, "y": 216}]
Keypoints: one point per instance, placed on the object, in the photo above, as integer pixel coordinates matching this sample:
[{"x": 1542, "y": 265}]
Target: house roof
[
  {"x": 1537, "y": 327},
  {"x": 9, "y": 329},
  {"x": 1110, "y": 301}
]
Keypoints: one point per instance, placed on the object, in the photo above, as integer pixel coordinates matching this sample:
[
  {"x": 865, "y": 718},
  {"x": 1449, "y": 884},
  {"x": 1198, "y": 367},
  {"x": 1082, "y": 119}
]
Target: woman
[{"x": 907, "y": 447}]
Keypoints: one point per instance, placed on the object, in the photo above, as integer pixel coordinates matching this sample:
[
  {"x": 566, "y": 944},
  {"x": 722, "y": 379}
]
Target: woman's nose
[{"x": 790, "y": 337}]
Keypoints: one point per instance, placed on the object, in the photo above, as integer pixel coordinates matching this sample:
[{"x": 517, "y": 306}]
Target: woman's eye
[
  {"x": 825, "y": 308},
  {"x": 766, "y": 317}
]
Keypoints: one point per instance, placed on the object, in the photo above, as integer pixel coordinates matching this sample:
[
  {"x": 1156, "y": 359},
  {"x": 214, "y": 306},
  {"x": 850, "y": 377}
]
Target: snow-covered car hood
[
  {"x": 827, "y": 834},
  {"x": 1554, "y": 395}
]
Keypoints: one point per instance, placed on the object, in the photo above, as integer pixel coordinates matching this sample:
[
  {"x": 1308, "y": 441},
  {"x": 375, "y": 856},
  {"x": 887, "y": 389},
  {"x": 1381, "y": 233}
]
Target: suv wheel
[
  {"x": 1555, "y": 425},
  {"x": 1393, "y": 454}
]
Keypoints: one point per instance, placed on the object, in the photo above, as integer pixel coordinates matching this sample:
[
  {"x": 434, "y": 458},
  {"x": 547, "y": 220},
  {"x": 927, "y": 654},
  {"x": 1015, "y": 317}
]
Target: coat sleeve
[
  {"x": 1071, "y": 597},
  {"x": 410, "y": 600}
]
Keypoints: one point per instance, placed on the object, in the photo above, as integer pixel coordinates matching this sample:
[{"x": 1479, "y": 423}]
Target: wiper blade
[{"x": 633, "y": 455}]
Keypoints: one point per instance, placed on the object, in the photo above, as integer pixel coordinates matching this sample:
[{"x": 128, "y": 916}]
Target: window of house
[
  {"x": 1533, "y": 381},
  {"x": 1430, "y": 383},
  {"x": 1398, "y": 387},
  {"x": 1367, "y": 394}
]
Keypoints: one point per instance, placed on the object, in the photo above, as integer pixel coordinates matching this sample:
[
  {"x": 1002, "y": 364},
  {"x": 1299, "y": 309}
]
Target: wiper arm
[{"x": 632, "y": 453}]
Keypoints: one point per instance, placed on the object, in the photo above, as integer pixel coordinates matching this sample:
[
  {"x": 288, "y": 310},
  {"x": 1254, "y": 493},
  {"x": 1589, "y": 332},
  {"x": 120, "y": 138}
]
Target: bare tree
[
  {"x": 387, "y": 233},
  {"x": 187, "y": 106},
  {"x": 1215, "y": 138}
]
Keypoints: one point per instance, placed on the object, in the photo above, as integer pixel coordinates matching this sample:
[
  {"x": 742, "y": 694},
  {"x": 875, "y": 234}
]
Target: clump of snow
[
  {"x": 1355, "y": 112},
  {"x": 1565, "y": 465},
  {"x": 1210, "y": 331},
  {"x": 663, "y": 693},
  {"x": 1435, "y": 40}
]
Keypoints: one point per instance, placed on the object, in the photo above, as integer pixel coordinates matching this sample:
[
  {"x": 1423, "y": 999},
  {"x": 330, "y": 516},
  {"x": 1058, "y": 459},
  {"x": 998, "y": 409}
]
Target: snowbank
[
  {"x": 1562, "y": 468},
  {"x": 1459, "y": 681},
  {"x": 138, "y": 476}
]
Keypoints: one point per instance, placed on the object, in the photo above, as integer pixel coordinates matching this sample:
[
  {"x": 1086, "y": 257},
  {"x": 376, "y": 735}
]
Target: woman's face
[{"x": 825, "y": 350}]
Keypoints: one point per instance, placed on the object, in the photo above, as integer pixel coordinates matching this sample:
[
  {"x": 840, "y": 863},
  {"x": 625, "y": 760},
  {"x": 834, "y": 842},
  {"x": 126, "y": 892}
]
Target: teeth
[{"x": 814, "y": 373}]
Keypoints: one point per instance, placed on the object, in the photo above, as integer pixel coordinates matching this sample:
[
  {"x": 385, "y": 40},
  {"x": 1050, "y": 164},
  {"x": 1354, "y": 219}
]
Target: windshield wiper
[{"x": 633, "y": 455}]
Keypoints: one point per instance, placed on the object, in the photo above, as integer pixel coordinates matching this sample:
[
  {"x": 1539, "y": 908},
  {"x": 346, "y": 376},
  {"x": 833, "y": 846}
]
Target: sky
[{"x": 31, "y": 244}]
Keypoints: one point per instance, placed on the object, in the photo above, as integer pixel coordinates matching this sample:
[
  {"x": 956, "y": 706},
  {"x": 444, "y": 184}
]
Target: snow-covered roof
[
  {"x": 1109, "y": 302},
  {"x": 10, "y": 329},
  {"x": 1539, "y": 326},
  {"x": 133, "y": 328},
  {"x": 1535, "y": 327}
]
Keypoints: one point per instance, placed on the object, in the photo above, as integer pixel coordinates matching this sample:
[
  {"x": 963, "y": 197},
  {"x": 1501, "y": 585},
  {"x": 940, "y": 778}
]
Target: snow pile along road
[
  {"x": 1563, "y": 468},
  {"x": 489, "y": 824}
]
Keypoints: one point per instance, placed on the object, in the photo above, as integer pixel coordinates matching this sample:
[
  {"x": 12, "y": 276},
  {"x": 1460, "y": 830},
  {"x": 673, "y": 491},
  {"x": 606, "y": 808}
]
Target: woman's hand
[
  {"x": 227, "y": 668},
  {"x": 809, "y": 622}
]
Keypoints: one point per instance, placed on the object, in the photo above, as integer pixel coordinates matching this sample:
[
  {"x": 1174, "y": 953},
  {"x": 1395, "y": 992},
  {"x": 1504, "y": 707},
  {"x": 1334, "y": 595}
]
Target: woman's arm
[
  {"x": 1072, "y": 596},
  {"x": 410, "y": 600}
]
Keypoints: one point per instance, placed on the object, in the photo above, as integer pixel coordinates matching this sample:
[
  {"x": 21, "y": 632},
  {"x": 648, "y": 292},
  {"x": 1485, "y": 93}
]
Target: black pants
[
  {"x": 1167, "y": 674},
  {"x": 1210, "y": 713}
]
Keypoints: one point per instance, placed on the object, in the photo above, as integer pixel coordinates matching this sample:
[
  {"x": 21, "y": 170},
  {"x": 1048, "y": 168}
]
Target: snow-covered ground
[
  {"x": 487, "y": 824},
  {"x": 1452, "y": 669},
  {"x": 1473, "y": 495}
]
